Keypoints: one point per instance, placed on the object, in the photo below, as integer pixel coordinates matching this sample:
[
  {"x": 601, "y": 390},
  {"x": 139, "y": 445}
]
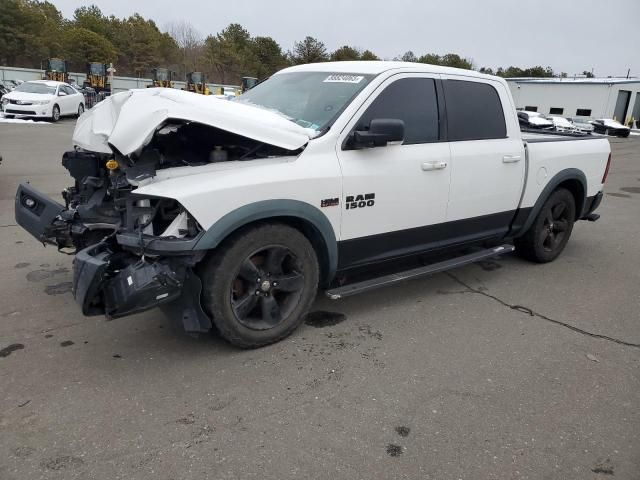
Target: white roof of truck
[
  {"x": 574, "y": 81},
  {"x": 376, "y": 67}
]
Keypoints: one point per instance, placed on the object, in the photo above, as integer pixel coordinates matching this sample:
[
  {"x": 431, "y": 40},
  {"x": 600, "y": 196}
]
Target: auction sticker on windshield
[{"x": 343, "y": 79}]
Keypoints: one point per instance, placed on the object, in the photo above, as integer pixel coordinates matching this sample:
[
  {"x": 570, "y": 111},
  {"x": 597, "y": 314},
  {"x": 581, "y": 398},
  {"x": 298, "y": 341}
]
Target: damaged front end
[{"x": 134, "y": 251}]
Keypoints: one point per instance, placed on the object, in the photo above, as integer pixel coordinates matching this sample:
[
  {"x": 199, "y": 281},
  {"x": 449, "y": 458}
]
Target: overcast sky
[{"x": 569, "y": 35}]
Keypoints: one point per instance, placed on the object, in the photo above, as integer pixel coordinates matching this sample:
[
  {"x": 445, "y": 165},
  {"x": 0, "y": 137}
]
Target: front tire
[
  {"x": 550, "y": 231},
  {"x": 55, "y": 113},
  {"x": 80, "y": 110},
  {"x": 259, "y": 285}
]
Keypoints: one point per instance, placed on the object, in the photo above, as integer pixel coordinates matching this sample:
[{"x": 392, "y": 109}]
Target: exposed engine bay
[{"x": 100, "y": 202}]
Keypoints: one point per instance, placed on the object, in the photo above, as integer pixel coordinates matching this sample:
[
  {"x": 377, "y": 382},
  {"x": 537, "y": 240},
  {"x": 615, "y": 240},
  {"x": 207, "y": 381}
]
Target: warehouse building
[{"x": 617, "y": 98}]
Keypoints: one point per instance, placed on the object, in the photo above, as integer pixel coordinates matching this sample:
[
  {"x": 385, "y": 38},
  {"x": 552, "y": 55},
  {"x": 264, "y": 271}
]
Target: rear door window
[
  {"x": 412, "y": 100},
  {"x": 474, "y": 111}
]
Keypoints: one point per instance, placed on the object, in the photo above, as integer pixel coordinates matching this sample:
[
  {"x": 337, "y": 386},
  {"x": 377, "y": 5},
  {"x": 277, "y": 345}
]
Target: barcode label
[{"x": 343, "y": 79}]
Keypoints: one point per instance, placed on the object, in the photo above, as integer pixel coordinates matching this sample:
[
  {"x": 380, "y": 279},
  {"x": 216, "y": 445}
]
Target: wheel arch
[
  {"x": 579, "y": 191},
  {"x": 300, "y": 215},
  {"x": 573, "y": 180}
]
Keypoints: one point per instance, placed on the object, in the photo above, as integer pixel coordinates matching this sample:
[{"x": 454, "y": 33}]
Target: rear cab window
[{"x": 474, "y": 111}]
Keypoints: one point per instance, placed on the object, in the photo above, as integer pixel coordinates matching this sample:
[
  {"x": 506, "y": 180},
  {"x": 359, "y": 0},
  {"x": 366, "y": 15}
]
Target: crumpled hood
[{"x": 129, "y": 119}]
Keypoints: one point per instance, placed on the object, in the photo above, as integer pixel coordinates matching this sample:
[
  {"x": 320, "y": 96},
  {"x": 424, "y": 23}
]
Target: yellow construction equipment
[
  {"x": 162, "y": 77},
  {"x": 197, "y": 83},
  {"x": 248, "y": 83},
  {"x": 56, "y": 70},
  {"x": 97, "y": 77}
]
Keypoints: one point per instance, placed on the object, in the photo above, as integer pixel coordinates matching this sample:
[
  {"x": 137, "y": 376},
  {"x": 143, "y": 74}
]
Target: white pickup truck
[{"x": 334, "y": 175}]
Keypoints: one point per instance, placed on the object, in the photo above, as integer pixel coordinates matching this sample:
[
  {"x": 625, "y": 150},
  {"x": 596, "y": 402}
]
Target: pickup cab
[{"x": 342, "y": 176}]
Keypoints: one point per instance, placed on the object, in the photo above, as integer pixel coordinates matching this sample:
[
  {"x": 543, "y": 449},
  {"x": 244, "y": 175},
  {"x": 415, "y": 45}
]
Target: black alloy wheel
[
  {"x": 267, "y": 287},
  {"x": 555, "y": 226},
  {"x": 551, "y": 229},
  {"x": 258, "y": 285}
]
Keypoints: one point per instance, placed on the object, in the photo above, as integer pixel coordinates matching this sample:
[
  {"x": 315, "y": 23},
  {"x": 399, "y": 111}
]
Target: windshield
[
  {"x": 310, "y": 99},
  {"x": 32, "y": 87}
]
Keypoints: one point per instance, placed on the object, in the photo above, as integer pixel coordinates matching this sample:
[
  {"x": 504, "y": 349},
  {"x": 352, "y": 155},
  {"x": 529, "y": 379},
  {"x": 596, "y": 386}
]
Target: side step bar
[{"x": 371, "y": 284}]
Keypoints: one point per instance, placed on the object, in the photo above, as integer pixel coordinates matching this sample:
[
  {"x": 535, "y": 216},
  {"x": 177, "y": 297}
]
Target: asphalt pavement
[{"x": 498, "y": 370}]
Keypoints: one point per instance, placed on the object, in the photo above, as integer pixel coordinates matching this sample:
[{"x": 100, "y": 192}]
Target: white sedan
[
  {"x": 534, "y": 120},
  {"x": 43, "y": 98},
  {"x": 563, "y": 125}
]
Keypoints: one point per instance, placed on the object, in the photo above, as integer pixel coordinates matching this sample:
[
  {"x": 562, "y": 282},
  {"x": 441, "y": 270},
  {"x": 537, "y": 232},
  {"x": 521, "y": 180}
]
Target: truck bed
[
  {"x": 534, "y": 136},
  {"x": 548, "y": 154}
]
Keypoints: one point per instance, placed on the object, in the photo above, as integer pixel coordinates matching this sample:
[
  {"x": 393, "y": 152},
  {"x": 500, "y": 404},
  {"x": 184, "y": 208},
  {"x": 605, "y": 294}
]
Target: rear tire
[
  {"x": 80, "y": 110},
  {"x": 259, "y": 285},
  {"x": 550, "y": 231}
]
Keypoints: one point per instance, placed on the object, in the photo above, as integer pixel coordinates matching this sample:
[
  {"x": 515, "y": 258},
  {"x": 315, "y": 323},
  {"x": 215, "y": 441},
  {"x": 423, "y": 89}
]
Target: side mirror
[
  {"x": 62, "y": 93},
  {"x": 381, "y": 132}
]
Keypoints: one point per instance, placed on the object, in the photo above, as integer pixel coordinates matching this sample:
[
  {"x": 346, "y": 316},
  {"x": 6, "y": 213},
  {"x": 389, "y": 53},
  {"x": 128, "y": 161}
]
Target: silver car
[{"x": 582, "y": 124}]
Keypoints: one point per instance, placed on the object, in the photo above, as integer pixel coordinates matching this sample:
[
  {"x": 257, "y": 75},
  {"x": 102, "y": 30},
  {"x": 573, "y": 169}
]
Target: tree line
[{"x": 34, "y": 30}]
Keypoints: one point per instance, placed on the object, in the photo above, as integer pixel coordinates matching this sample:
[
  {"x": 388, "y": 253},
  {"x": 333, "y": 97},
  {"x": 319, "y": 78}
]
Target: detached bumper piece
[
  {"x": 35, "y": 212},
  {"x": 117, "y": 285},
  {"x": 142, "y": 286},
  {"x": 120, "y": 284},
  {"x": 89, "y": 270}
]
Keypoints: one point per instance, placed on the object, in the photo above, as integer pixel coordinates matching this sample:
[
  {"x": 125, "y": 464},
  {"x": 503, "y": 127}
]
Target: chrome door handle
[
  {"x": 511, "y": 158},
  {"x": 438, "y": 165}
]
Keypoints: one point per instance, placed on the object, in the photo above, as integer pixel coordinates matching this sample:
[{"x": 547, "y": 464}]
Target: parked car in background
[
  {"x": 561, "y": 124},
  {"x": 8, "y": 85},
  {"x": 609, "y": 126},
  {"x": 534, "y": 120},
  {"x": 91, "y": 97},
  {"x": 3, "y": 90},
  {"x": 43, "y": 99},
  {"x": 14, "y": 83},
  {"x": 582, "y": 125}
]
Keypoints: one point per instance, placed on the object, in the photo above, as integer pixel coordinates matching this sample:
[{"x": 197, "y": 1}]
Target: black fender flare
[
  {"x": 525, "y": 218},
  {"x": 267, "y": 209}
]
